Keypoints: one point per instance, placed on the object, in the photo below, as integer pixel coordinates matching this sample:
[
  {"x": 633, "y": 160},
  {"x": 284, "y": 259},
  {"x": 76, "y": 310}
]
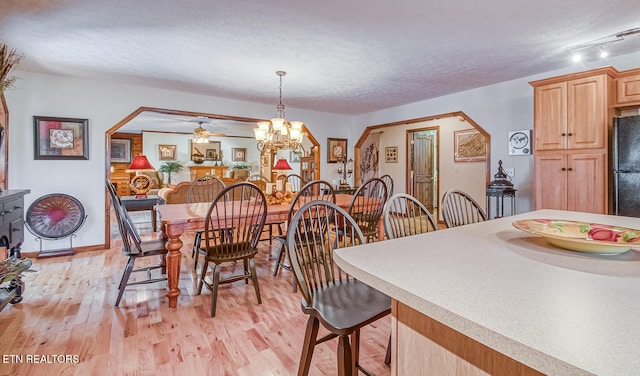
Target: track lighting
[{"x": 583, "y": 50}]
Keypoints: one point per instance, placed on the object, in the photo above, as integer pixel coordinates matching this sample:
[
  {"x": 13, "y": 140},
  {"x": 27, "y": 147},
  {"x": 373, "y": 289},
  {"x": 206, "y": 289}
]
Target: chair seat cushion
[
  {"x": 348, "y": 305},
  {"x": 152, "y": 247}
]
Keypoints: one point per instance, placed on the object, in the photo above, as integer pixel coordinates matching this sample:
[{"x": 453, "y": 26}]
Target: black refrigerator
[{"x": 626, "y": 166}]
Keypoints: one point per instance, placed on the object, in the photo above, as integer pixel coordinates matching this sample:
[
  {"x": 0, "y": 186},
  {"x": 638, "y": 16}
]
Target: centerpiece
[{"x": 279, "y": 198}]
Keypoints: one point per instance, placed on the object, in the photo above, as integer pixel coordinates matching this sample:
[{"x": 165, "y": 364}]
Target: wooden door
[
  {"x": 586, "y": 113},
  {"x": 551, "y": 182},
  {"x": 550, "y": 116},
  {"x": 423, "y": 151},
  {"x": 587, "y": 183}
]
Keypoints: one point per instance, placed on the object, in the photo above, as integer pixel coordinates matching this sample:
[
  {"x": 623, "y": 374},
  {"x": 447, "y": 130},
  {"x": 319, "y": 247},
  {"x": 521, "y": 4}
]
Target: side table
[{"x": 132, "y": 203}]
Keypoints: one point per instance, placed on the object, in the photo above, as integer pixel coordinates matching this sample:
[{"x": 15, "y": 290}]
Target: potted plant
[
  {"x": 11, "y": 270},
  {"x": 170, "y": 167},
  {"x": 240, "y": 166}
]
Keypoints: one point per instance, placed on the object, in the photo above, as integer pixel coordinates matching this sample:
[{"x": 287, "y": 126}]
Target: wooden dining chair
[
  {"x": 314, "y": 190},
  {"x": 388, "y": 181},
  {"x": 404, "y": 215},
  {"x": 458, "y": 208},
  {"x": 366, "y": 206},
  {"x": 331, "y": 297},
  {"x": 134, "y": 248},
  {"x": 202, "y": 189},
  {"x": 261, "y": 181},
  {"x": 296, "y": 182},
  {"x": 232, "y": 229}
]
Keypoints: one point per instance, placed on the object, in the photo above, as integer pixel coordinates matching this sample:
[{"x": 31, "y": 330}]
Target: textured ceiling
[{"x": 347, "y": 57}]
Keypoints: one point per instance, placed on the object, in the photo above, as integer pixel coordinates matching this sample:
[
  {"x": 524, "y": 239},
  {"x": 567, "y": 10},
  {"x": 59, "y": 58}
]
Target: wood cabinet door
[
  {"x": 550, "y": 116},
  {"x": 586, "y": 113},
  {"x": 551, "y": 182},
  {"x": 628, "y": 90},
  {"x": 587, "y": 183}
]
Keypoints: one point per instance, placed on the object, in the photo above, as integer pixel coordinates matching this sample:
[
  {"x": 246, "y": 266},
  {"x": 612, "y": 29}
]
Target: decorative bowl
[{"x": 582, "y": 236}]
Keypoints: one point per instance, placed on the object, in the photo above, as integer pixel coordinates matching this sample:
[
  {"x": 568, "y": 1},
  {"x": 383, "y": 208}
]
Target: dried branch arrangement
[{"x": 9, "y": 59}]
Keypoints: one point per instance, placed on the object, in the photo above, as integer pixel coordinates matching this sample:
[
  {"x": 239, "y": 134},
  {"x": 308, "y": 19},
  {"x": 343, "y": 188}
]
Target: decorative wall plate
[{"x": 582, "y": 236}]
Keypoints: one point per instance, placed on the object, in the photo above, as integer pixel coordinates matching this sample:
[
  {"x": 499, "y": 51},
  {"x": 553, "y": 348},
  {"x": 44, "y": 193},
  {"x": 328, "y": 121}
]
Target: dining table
[
  {"x": 499, "y": 297},
  {"x": 176, "y": 219}
]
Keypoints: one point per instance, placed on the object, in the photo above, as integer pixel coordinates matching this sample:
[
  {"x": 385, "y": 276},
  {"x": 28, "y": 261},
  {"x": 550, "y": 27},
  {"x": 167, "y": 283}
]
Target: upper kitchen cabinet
[
  {"x": 573, "y": 111},
  {"x": 628, "y": 88}
]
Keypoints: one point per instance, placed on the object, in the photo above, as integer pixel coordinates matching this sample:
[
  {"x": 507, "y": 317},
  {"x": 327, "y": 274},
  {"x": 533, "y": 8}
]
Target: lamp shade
[
  {"x": 282, "y": 165},
  {"x": 140, "y": 162}
]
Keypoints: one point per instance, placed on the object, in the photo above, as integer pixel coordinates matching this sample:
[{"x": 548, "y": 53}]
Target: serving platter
[{"x": 582, "y": 236}]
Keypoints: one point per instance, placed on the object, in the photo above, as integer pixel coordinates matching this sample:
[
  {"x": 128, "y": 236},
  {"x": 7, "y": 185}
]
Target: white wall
[
  {"x": 498, "y": 109},
  {"x": 467, "y": 176},
  {"x": 105, "y": 104}
]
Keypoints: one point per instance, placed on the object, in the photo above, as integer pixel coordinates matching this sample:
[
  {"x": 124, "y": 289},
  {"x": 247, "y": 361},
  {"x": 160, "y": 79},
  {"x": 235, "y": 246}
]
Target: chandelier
[
  {"x": 200, "y": 135},
  {"x": 279, "y": 133}
]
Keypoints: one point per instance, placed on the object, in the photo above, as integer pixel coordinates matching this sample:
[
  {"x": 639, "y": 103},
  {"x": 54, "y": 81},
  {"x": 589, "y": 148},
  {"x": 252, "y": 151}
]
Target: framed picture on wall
[
  {"x": 336, "y": 148},
  {"x": 167, "y": 152},
  {"x": 469, "y": 146},
  {"x": 210, "y": 151},
  {"x": 120, "y": 150},
  {"x": 60, "y": 138},
  {"x": 391, "y": 154},
  {"x": 239, "y": 154}
]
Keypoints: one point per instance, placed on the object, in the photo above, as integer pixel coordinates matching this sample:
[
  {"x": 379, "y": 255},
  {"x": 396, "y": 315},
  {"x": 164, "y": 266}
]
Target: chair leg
[
  {"x": 125, "y": 279},
  {"x": 310, "y": 335},
  {"x": 270, "y": 234},
  {"x": 387, "y": 358},
  {"x": 245, "y": 264},
  {"x": 345, "y": 360},
  {"x": 355, "y": 350},
  {"x": 278, "y": 259},
  {"x": 203, "y": 274},
  {"x": 214, "y": 289},
  {"x": 254, "y": 278},
  {"x": 196, "y": 248}
]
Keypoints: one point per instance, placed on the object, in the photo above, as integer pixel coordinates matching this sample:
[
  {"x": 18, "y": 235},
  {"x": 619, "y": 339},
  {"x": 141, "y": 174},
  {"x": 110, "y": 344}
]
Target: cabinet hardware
[{"x": 563, "y": 169}]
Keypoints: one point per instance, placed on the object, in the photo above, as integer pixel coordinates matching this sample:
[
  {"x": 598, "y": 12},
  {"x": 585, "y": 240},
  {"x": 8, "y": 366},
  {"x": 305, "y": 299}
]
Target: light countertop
[{"x": 557, "y": 311}]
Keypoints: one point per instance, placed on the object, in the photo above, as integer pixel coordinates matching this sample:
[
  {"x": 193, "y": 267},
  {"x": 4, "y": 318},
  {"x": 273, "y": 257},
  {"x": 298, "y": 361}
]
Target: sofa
[{"x": 177, "y": 194}]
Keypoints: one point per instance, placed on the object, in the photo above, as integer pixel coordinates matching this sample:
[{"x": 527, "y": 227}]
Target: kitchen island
[{"x": 488, "y": 298}]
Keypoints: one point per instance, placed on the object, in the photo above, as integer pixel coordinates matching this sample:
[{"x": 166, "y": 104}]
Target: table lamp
[
  {"x": 140, "y": 184},
  {"x": 281, "y": 165}
]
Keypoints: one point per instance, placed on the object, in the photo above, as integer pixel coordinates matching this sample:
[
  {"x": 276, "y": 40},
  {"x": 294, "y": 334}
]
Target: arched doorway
[
  {"x": 189, "y": 118},
  {"x": 447, "y": 172}
]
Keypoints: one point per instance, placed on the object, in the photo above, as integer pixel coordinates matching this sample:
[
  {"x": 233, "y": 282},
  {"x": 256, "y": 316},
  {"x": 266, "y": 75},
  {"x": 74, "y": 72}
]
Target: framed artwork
[
  {"x": 391, "y": 154},
  {"x": 60, "y": 138},
  {"x": 210, "y": 150},
  {"x": 336, "y": 148},
  {"x": 120, "y": 150},
  {"x": 469, "y": 146},
  {"x": 167, "y": 152},
  {"x": 294, "y": 157},
  {"x": 239, "y": 154}
]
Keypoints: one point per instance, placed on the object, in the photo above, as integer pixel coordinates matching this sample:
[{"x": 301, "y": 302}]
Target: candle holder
[{"x": 345, "y": 169}]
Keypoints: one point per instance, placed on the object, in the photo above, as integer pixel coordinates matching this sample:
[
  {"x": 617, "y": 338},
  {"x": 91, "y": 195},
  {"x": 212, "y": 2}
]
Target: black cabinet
[{"x": 12, "y": 220}]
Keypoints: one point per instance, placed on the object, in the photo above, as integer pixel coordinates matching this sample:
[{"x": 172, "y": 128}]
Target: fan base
[{"x": 56, "y": 252}]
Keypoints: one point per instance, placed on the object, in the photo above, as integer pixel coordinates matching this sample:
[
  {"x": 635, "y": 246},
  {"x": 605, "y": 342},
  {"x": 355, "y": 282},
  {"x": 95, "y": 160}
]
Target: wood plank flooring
[{"x": 68, "y": 311}]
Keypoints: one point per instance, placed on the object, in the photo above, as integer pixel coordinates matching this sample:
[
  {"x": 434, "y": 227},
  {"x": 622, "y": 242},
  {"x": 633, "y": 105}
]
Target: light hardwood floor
[{"x": 68, "y": 310}]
